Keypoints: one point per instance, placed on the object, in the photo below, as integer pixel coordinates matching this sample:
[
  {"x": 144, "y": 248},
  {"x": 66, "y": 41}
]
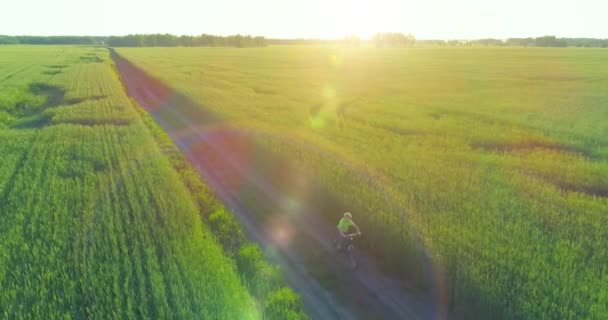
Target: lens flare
[
  {"x": 280, "y": 231},
  {"x": 317, "y": 121},
  {"x": 336, "y": 60},
  {"x": 322, "y": 114},
  {"x": 291, "y": 205}
]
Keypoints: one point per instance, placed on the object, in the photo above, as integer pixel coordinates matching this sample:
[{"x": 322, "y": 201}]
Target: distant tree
[
  {"x": 185, "y": 41},
  {"x": 550, "y": 41},
  {"x": 8, "y": 40},
  {"x": 352, "y": 41},
  {"x": 490, "y": 42},
  {"x": 166, "y": 40},
  {"x": 259, "y": 41},
  {"x": 410, "y": 39},
  {"x": 587, "y": 42},
  {"x": 524, "y": 42},
  {"x": 303, "y": 41},
  {"x": 431, "y": 42},
  {"x": 392, "y": 39}
]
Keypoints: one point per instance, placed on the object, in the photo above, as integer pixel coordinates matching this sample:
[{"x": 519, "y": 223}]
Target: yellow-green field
[
  {"x": 495, "y": 159},
  {"x": 96, "y": 222}
]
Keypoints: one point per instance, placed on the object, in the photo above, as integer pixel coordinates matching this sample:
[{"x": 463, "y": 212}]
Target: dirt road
[{"x": 279, "y": 209}]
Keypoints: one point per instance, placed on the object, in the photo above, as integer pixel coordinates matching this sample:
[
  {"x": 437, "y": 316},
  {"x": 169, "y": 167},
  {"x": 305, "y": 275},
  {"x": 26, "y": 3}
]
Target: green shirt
[{"x": 345, "y": 224}]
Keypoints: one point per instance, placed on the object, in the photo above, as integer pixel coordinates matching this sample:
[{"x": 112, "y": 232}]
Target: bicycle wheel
[
  {"x": 336, "y": 246},
  {"x": 352, "y": 258}
]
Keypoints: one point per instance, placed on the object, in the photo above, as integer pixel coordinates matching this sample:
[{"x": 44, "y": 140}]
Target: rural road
[{"x": 278, "y": 211}]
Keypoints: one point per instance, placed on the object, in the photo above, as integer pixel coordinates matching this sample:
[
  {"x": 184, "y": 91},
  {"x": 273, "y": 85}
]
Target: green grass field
[
  {"x": 496, "y": 159},
  {"x": 95, "y": 221}
]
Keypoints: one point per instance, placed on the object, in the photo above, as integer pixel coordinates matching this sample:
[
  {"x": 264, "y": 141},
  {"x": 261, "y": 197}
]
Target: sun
[{"x": 358, "y": 18}]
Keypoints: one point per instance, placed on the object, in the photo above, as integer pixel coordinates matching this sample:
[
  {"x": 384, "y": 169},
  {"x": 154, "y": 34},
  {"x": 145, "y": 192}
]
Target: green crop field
[
  {"x": 95, "y": 222},
  {"x": 493, "y": 160}
]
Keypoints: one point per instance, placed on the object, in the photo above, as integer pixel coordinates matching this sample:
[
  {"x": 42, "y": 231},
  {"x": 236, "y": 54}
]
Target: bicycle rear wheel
[{"x": 352, "y": 258}]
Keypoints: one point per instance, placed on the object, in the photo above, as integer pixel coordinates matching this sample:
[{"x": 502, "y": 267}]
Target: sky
[{"x": 425, "y": 19}]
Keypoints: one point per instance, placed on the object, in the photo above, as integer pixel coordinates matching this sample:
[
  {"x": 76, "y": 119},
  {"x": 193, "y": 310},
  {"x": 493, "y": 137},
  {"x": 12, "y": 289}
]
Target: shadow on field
[
  {"x": 595, "y": 190},
  {"x": 79, "y": 100},
  {"x": 91, "y": 58},
  {"x": 504, "y": 147},
  {"x": 29, "y": 115},
  {"x": 282, "y": 207},
  {"x": 52, "y": 72},
  {"x": 531, "y": 145},
  {"x": 32, "y": 116},
  {"x": 79, "y": 163}
]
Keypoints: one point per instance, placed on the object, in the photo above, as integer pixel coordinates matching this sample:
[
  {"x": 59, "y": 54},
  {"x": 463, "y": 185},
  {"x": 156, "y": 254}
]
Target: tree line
[
  {"x": 383, "y": 39},
  {"x": 169, "y": 40},
  {"x": 142, "y": 40},
  {"x": 50, "y": 40},
  {"x": 387, "y": 39},
  {"x": 393, "y": 39},
  {"x": 545, "y": 41}
]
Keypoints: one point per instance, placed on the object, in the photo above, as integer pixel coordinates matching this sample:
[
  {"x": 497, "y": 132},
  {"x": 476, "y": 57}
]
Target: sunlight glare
[{"x": 359, "y": 18}]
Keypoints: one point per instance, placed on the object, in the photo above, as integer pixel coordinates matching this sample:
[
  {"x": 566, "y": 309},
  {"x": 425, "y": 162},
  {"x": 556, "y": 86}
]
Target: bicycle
[{"x": 347, "y": 247}]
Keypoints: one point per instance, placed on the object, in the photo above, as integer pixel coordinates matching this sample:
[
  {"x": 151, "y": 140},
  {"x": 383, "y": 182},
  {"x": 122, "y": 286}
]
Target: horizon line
[{"x": 309, "y": 38}]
